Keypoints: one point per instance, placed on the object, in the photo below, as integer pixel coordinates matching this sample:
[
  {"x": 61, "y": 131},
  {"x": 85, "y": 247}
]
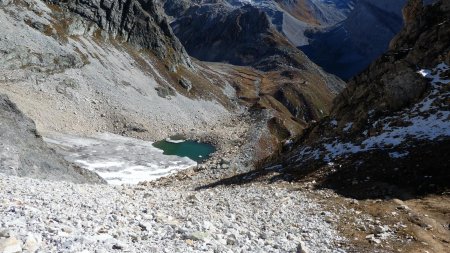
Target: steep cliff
[{"x": 141, "y": 23}]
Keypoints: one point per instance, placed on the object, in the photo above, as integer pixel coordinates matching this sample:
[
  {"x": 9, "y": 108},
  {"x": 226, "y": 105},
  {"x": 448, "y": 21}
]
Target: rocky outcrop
[
  {"x": 388, "y": 123},
  {"x": 24, "y": 153},
  {"x": 391, "y": 82},
  {"x": 142, "y": 23},
  {"x": 241, "y": 36}
]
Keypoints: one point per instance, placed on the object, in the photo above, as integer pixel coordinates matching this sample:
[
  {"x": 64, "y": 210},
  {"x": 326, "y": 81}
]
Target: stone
[
  {"x": 207, "y": 225},
  {"x": 185, "y": 84},
  {"x": 198, "y": 236},
  {"x": 375, "y": 240},
  {"x": 5, "y": 233},
  {"x": 32, "y": 243},
  {"x": 193, "y": 198},
  {"x": 231, "y": 239},
  {"x": 381, "y": 229},
  {"x": 10, "y": 245},
  {"x": 301, "y": 248}
]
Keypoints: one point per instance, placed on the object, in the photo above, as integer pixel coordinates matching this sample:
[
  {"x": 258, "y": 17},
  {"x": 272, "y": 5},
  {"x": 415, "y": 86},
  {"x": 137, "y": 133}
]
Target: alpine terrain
[{"x": 224, "y": 126}]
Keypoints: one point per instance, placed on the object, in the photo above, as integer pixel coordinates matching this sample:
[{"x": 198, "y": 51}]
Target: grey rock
[
  {"x": 186, "y": 84},
  {"x": 10, "y": 245},
  {"x": 139, "y": 22},
  {"x": 197, "y": 236},
  {"x": 32, "y": 243},
  {"x": 5, "y": 233}
]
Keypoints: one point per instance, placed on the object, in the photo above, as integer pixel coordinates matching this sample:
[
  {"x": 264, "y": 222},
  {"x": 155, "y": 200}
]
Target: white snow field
[{"x": 119, "y": 160}]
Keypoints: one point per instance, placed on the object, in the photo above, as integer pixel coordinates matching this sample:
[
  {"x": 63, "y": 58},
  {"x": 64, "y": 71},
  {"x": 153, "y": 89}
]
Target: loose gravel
[{"x": 65, "y": 217}]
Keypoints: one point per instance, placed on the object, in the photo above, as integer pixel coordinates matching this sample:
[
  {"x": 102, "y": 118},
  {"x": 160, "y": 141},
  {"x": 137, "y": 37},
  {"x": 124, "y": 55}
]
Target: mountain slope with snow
[{"x": 392, "y": 122}]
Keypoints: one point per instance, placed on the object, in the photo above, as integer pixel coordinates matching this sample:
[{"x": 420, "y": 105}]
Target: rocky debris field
[{"x": 64, "y": 217}]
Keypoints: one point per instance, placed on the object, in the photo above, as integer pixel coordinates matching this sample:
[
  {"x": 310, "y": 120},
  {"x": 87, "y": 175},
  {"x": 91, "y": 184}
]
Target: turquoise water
[{"x": 194, "y": 150}]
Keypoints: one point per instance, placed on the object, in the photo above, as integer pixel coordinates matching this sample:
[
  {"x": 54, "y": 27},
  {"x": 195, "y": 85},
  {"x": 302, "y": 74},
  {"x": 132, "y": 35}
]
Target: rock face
[
  {"x": 240, "y": 36},
  {"x": 213, "y": 33},
  {"x": 318, "y": 12},
  {"x": 24, "y": 153},
  {"x": 390, "y": 121},
  {"x": 139, "y": 22}
]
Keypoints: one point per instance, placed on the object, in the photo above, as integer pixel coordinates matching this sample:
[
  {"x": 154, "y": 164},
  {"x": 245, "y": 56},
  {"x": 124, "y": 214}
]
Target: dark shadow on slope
[
  {"x": 424, "y": 169},
  {"x": 421, "y": 170}
]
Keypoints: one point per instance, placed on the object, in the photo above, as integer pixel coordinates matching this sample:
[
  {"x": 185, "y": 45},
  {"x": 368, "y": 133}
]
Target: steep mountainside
[
  {"x": 351, "y": 45},
  {"x": 390, "y": 127},
  {"x": 318, "y": 12},
  {"x": 24, "y": 153}
]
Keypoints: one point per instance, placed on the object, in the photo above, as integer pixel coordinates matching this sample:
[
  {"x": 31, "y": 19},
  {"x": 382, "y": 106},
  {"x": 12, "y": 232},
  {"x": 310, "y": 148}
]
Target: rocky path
[{"x": 40, "y": 216}]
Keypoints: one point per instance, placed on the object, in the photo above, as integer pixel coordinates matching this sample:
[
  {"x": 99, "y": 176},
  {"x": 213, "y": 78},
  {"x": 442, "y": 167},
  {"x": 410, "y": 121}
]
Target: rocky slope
[
  {"x": 149, "y": 218},
  {"x": 24, "y": 153},
  {"x": 67, "y": 73},
  {"x": 392, "y": 118}
]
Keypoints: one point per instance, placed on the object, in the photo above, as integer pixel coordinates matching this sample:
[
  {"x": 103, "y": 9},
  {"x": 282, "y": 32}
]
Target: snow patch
[
  {"x": 117, "y": 159},
  {"x": 424, "y": 121}
]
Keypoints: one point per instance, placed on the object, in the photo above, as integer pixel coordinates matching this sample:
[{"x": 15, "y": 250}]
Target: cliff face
[
  {"x": 240, "y": 36},
  {"x": 141, "y": 23},
  {"x": 390, "y": 121}
]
